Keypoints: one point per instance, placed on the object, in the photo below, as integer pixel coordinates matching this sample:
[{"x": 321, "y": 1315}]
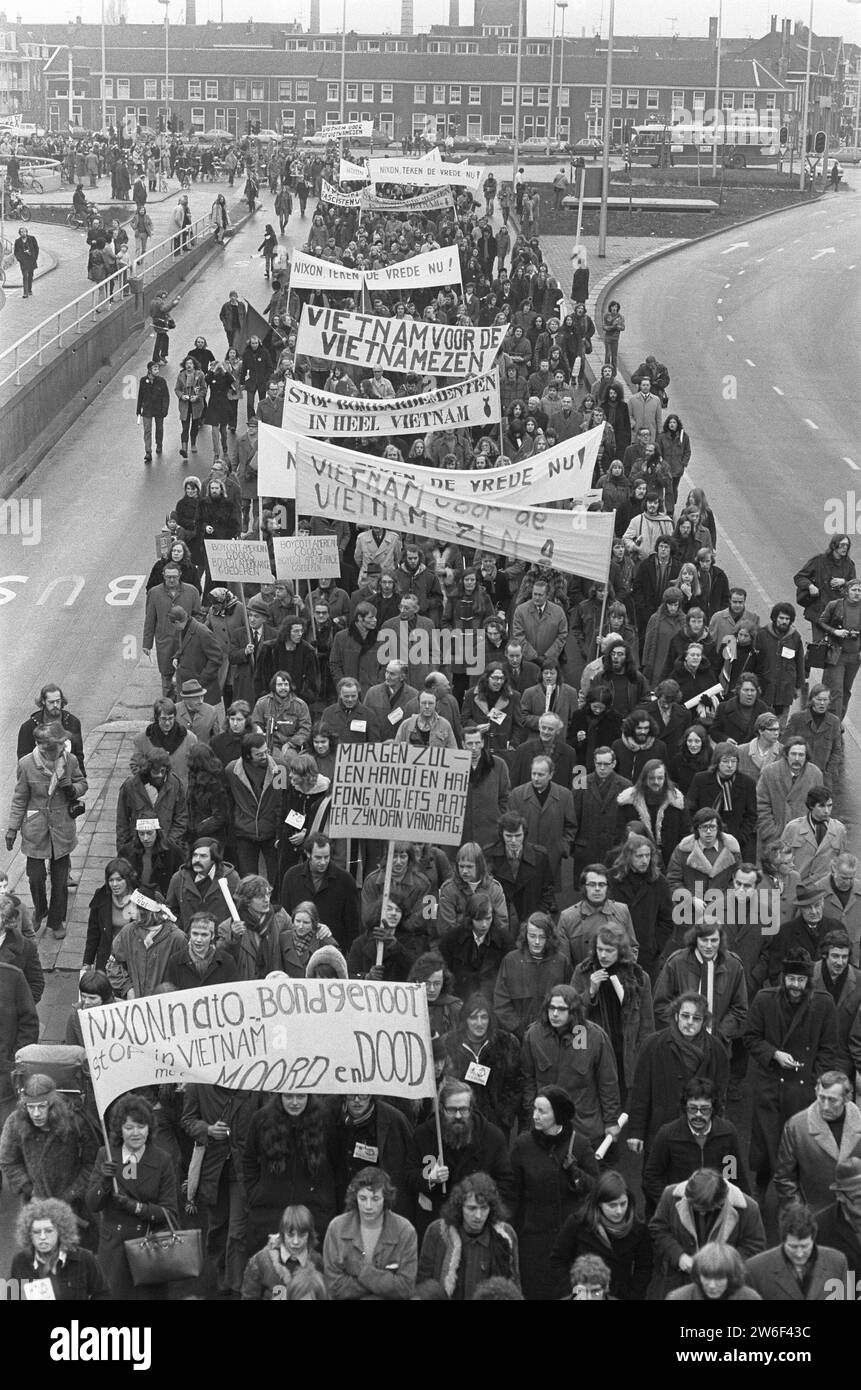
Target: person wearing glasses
[
  {"x": 470, "y": 1144},
  {"x": 590, "y": 1281},
  {"x": 45, "y": 1149},
  {"x": 700, "y": 1138}
]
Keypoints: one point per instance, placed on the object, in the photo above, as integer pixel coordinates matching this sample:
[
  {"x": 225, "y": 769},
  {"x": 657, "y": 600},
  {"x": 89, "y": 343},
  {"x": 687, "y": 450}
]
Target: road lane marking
[
  {"x": 730, "y": 338},
  {"x": 826, "y": 251},
  {"x": 779, "y": 249},
  {"x": 741, "y": 272},
  {"x": 777, "y": 389},
  {"x": 811, "y": 423},
  {"x": 759, "y": 260},
  {"x": 728, "y": 284},
  {"x": 720, "y": 301},
  {"x": 749, "y": 363},
  {"x": 852, "y": 463},
  {"x": 720, "y": 318}
]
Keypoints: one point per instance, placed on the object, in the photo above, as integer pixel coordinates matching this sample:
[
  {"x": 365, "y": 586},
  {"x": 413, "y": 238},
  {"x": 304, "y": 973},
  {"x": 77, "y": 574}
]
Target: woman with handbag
[
  {"x": 133, "y": 1188},
  {"x": 554, "y": 1168}
]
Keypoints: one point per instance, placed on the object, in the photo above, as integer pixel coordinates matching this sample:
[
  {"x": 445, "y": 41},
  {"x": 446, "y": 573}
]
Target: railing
[{"x": 80, "y": 313}]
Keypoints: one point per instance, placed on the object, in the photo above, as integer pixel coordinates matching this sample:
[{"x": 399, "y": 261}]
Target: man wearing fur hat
[{"x": 791, "y": 1035}]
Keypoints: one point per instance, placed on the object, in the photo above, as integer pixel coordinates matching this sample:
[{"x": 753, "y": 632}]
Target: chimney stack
[
  {"x": 407, "y": 17},
  {"x": 454, "y": 14},
  {"x": 190, "y": 12},
  {"x": 314, "y": 18},
  {"x": 713, "y": 27},
  {"x": 773, "y": 29}
]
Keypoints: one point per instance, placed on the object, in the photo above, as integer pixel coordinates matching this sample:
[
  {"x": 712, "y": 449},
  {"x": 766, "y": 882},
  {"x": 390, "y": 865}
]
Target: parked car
[
  {"x": 590, "y": 144},
  {"x": 850, "y": 155},
  {"x": 537, "y": 144}
]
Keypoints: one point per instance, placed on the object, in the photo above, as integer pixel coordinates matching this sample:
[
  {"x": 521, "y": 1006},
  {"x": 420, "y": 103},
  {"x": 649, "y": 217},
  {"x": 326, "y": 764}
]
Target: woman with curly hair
[
  {"x": 46, "y": 1150},
  {"x": 444, "y": 1007},
  {"x": 286, "y": 1163},
  {"x": 178, "y": 553},
  {"x": 49, "y": 1254},
  {"x": 472, "y": 1241},
  {"x": 292, "y": 1250},
  {"x": 133, "y": 1188},
  {"x": 370, "y": 1252},
  {"x": 208, "y": 800},
  {"x": 494, "y": 702}
]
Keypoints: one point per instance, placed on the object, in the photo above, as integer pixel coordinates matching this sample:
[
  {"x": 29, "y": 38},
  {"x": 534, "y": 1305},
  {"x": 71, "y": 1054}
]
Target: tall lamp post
[
  {"x": 550, "y": 88},
  {"x": 560, "y": 5},
  {"x": 166, "y": 4},
  {"x": 717, "y": 89},
  {"x": 343, "y": 70},
  {"x": 516, "y": 152},
  {"x": 104, "y": 78},
  {"x": 605, "y": 163}
]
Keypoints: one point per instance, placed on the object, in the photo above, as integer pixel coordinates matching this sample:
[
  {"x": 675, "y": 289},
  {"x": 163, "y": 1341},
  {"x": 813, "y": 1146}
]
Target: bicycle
[
  {"x": 78, "y": 220},
  {"x": 18, "y": 209},
  {"x": 30, "y": 181}
]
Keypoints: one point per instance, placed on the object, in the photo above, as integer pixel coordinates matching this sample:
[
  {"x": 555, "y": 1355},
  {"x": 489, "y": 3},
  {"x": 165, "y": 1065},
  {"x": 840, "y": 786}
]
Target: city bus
[{"x": 740, "y": 142}]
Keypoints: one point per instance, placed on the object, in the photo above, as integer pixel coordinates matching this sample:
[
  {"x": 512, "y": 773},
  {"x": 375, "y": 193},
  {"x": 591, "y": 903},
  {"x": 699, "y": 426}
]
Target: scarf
[
  {"x": 725, "y": 785},
  {"x": 55, "y": 770},
  {"x": 169, "y": 741},
  {"x": 690, "y": 1051},
  {"x": 607, "y": 1233}
]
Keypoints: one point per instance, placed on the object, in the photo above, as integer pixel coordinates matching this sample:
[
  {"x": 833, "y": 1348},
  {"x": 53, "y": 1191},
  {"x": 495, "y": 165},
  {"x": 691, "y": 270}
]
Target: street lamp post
[
  {"x": 550, "y": 88},
  {"x": 605, "y": 163},
  {"x": 516, "y": 153},
  {"x": 717, "y": 90},
  {"x": 104, "y": 78},
  {"x": 561, "y": 5},
  {"x": 166, "y": 4},
  {"x": 805, "y": 118},
  {"x": 343, "y": 69}
]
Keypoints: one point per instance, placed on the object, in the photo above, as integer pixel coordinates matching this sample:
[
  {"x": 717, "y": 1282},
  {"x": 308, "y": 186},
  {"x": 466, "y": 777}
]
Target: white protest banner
[
  {"x": 339, "y": 199},
  {"x": 348, "y": 130},
  {"x": 239, "y": 562},
  {"x": 348, "y": 172},
  {"x": 576, "y": 542},
  {"x": 397, "y": 791},
  {"x": 312, "y": 272},
  {"x": 422, "y": 202},
  {"x": 399, "y": 345},
  {"x": 560, "y": 474},
  {"x": 309, "y": 411},
  {"x": 276, "y": 462},
  {"x": 433, "y": 156},
  {"x": 334, "y": 1037},
  {"x": 415, "y": 172},
  {"x": 440, "y": 267},
  {"x": 306, "y": 557}
]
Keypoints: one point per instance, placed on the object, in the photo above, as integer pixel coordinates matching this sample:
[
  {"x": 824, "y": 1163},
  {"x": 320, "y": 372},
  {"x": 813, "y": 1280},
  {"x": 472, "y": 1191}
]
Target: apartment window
[
  {"x": 678, "y": 100},
  {"x": 771, "y": 101},
  {"x": 616, "y": 96},
  {"x": 527, "y": 96},
  {"x": 253, "y": 115},
  {"x": 240, "y": 90},
  {"x": 324, "y": 46},
  {"x": 109, "y": 88},
  {"x": 632, "y": 98},
  {"x": 212, "y": 90},
  {"x": 475, "y": 96},
  {"x": 352, "y": 91},
  {"x": 699, "y": 101},
  {"x": 454, "y": 96},
  {"x": 369, "y": 46},
  {"x": 169, "y": 90},
  {"x": 332, "y": 91},
  {"x": 123, "y": 88},
  {"x": 727, "y": 101},
  {"x": 507, "y": 50},
  {"x": 387, "y": 125},
  {"x": 466, "y": 47},
  {"x": 258, "y": 92},
  {"x": 386, "y": 93},
  {"x": 332, "y": 117},
  {"x": 367, "y": 91},
  {"x": 473, "y": 127},
  {"x": 543, "y": 96},
  {"x": 111, "y": 115},
  {"x": 288, "y": 120},
  {"x": 537, "y": 50},
  {"x": 220, "y": 117},
  {"x": 198, "y": 117},
  {"x": 420, "y": 123},
  {"x": 419, "y": 93},
  {"x": 564, "y": 96},
  {"x": 303, "y": 91},
  {"x": 297, "y": 45},
  {"x": 285, "y": 90},
  {"x": 496, "y": 31},
  {"x": 439, "y": 95},
  {"x": 596, "y": 96},
  {"x": 439, "y": 46},
  {"x": 507, "y": 98},
  {"x": 564, "y": 127},
  {"x": 351, "y": 115},
  {"x": 194, "y": 92},
  {"x": 653, "y": 98},
  {"x": 748, "y": 101},
  {"x": 366, "y": 116},
  {"x": 396, "y": 46},
  {"x": 506, "y": 127},
  {"x": 150, "y": 88},
  {"x": 595, "y": 127}
]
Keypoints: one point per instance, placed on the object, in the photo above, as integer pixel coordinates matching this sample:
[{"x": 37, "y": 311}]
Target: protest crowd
[{"x": 647, "y": 915}]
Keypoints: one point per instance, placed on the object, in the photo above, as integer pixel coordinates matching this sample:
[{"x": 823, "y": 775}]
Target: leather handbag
[{"x": 165, "y": 1255}]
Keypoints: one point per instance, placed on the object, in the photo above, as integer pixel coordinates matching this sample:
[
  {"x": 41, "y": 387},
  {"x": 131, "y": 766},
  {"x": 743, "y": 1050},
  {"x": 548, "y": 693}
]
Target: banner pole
[
  {"x": 311, "y": 611},
  {"x": 245, "y": 611},
  {"x": 387, "y": 888},
  {"x": 438, "y": 1132}
]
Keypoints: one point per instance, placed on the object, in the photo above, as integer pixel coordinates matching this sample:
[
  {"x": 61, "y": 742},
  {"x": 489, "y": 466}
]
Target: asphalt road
[
  {"x": 65, "y": 613},
  {"x": 759, "y": 329}
]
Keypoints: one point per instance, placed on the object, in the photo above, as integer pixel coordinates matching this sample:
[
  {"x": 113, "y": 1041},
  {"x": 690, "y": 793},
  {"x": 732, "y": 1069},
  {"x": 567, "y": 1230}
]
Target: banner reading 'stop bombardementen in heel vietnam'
[{"x": 336, "y": 1037}]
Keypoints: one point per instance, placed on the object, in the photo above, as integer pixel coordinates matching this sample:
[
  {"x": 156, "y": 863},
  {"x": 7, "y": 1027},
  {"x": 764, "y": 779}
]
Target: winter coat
[
  {"x": 440, "y": 734},
  {"x": 812, "y": 860},
  {"x": 650, "y": 905},
  {"x": 533, "y": 704},
  {"x": 671, "y": 822},
  {"x": 134, "y": 969},
  {"x": 675, "y": 450},
  {"x": 38, "y": 1163},
  {"x": 269, "y": 1188},
  {"x": 153, "y": 397},
  {"x": 442, "y": 1251},
  {"x": 820, "y": 571},
  {"x": 337, "y": 901},
  {"x": 638, "y": 1019},
  {"x": 378, "y": 700},
  {"x": 391, "y": 1274},
  {"x": 661, "y": 628},
  {"x": 42, "y": 815},
  {"x": 550, "y": 823},
  {"x": 676, "y": 1153},
  {"x": 596, "y": 815},
  {"x": 808, "y": 1155},
  {"x": 683, "y": 972},
  {"x": 158, "y": 630},
  {"x": 149, "y": 739},
  {"x": 825, "y": 739},
  {"x": 779, "y": 799},
  {"x": 809, "y": 1033},
  {"x": 487, "y": 799},
  {"x": 255, "y": 816},
  {"x": 543, "y": 635},
  {"x": 660, "y": 1078},
  {"x": 740, "y": 822},
  {"x": 23, "y": 952},
  {"x": 735, "y": 721},
  {"x": 522, "y": 984},
  {"x": 100, "y": 929},
  {"x": 203, "y": 1106},
  {"x": 257, "y": 368},
  {"x": 77, "y": 1276},
  {"x": 220, "y": 970},
  {"x": 771, "y": 1276},
  {"x": 474, "y": 968},
  {"x": 169, "y": 809},
  {"x": 552, "y": 1176},
  {"x": 497, "y": 1096},
  {"x": 185, "y": 897},
  {"x": 190, "y": 391},
  {"x": 628, "y": 1257},
  {"x": 486, "y": 1152},
  {"x": 153, "y": 1186},
  {"x": 690, "y": 871},
  {"x": 631, "y": 757},
  {"x": 353, "y": 655},
  {"x": 847, "y": 1004},
  {"x": 19, "y": 1022},
  {"x": 300, "y": 663},
  {"x": 531, "y": 889},
  {"x": 782, "y": 676},
  {"x": 585, "y": 1069},
  {"x": 674, "y": 1231},
  {"x": 198, "y": 657}
]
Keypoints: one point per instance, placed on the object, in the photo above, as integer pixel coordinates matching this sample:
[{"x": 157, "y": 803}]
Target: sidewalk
[
  {"x": 107, "y": 754},
  {"x": 60, "y": 277}
]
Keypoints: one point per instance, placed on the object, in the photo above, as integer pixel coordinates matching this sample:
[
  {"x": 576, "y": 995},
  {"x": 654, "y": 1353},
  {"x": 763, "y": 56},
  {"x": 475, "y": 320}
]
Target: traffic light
[
  {"x": 783, "y": 136},
  {"x": 819, "y": 142}
]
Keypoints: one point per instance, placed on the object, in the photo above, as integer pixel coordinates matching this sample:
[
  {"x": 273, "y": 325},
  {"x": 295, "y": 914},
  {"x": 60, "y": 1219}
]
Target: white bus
[{"x": 739, "y": 142}]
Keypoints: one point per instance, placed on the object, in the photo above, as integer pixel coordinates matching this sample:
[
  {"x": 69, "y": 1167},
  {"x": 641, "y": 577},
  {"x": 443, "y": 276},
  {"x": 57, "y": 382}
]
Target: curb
[{"x": 18, "y": 284}]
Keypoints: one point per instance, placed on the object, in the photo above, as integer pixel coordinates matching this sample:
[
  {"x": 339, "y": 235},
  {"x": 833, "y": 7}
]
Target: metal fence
[{"x": 79, "y": 315}]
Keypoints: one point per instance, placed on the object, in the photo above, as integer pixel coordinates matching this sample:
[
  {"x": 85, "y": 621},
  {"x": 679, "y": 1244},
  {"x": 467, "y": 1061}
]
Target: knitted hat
[
  {"x": 327, "y": 958},
  {"x": 560, "y": 1103}
]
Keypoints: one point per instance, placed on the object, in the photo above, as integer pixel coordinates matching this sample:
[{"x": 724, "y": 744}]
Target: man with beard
[
  {"x": 470, "y": 1144},
  {"x": 705, "y": 966},
  {"x": 52, "y": 710},
  {"x": 791, "y": 1035},
  {"x": 370, "y": 1131},
  {"x": 638, "y": 745},
  {"x": 388, "y": 700},
  {"x": 551, "y": 743},
  {"x": 701, "y": 1138},
  {"x": 629, "y": 687},
  {"x": 781, "y": 659},
  {"x": 153, "y": 792}
]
